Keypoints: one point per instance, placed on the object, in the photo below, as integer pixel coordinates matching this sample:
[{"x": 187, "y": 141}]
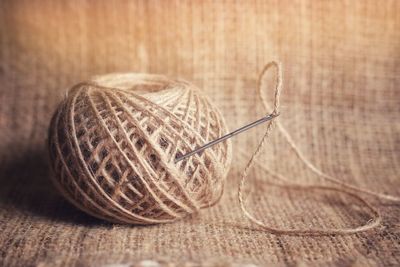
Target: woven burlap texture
[{"x": 340, "y": 102}]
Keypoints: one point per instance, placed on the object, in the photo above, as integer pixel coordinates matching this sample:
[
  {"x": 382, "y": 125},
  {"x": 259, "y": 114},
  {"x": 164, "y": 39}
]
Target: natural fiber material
[
  {"x": 340, "y": 103},
  {"x": 113, "y": 151},
  {"x": 113, "y": 145}
]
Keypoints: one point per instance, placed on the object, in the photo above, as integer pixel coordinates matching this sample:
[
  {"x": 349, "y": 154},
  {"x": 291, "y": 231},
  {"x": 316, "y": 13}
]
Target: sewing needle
[{"x": 229, "y": 135}]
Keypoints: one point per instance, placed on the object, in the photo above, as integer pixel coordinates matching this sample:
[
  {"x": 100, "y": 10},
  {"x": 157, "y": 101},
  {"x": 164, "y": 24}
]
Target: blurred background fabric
[{"x": 340, "y": 102}]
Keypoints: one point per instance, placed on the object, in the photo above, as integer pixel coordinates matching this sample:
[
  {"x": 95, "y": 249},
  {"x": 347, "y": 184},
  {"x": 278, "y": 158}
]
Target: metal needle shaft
[{"x": 229, "y": 135}]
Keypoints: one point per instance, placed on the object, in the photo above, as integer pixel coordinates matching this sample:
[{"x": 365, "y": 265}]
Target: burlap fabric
[{"x": 340, "y": 102}]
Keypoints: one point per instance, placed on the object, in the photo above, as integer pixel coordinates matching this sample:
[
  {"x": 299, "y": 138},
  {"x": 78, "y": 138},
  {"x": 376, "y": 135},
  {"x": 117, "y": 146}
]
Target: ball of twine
[{"x": 113, "y": 143}]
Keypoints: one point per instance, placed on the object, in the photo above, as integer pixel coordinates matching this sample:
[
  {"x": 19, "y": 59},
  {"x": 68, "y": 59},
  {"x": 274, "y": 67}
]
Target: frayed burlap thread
[
  {"x": 344, "y": 187},
  {"x": 113, "y": 142}
]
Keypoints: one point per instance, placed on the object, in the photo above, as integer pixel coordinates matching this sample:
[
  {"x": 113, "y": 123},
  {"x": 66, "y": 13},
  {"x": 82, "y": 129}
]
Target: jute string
[
  {"x": 344, "y": 187},
  {"x": 113, "y": 142}
]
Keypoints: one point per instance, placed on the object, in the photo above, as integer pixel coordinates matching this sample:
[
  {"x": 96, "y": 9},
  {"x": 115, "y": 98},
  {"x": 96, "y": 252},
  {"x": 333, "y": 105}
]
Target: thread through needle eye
[{"x": 229, "y": 135}]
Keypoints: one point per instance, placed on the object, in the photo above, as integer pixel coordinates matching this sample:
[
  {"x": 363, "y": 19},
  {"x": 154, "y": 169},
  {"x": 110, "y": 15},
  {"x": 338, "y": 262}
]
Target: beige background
[{"x": 341, "y": 103}]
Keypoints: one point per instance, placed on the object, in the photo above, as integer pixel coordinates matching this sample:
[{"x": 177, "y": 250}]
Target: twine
[
  {"x": 113, "y": 142},
  {"x": 344, "y": 187}
]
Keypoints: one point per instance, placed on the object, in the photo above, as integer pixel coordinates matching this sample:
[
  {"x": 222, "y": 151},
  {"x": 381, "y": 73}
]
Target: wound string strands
[{"x": 113, "y": 142}]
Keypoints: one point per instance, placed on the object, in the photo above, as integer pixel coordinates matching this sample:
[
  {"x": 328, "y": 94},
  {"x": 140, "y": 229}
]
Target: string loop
[{"x": 344, "y": 187}]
